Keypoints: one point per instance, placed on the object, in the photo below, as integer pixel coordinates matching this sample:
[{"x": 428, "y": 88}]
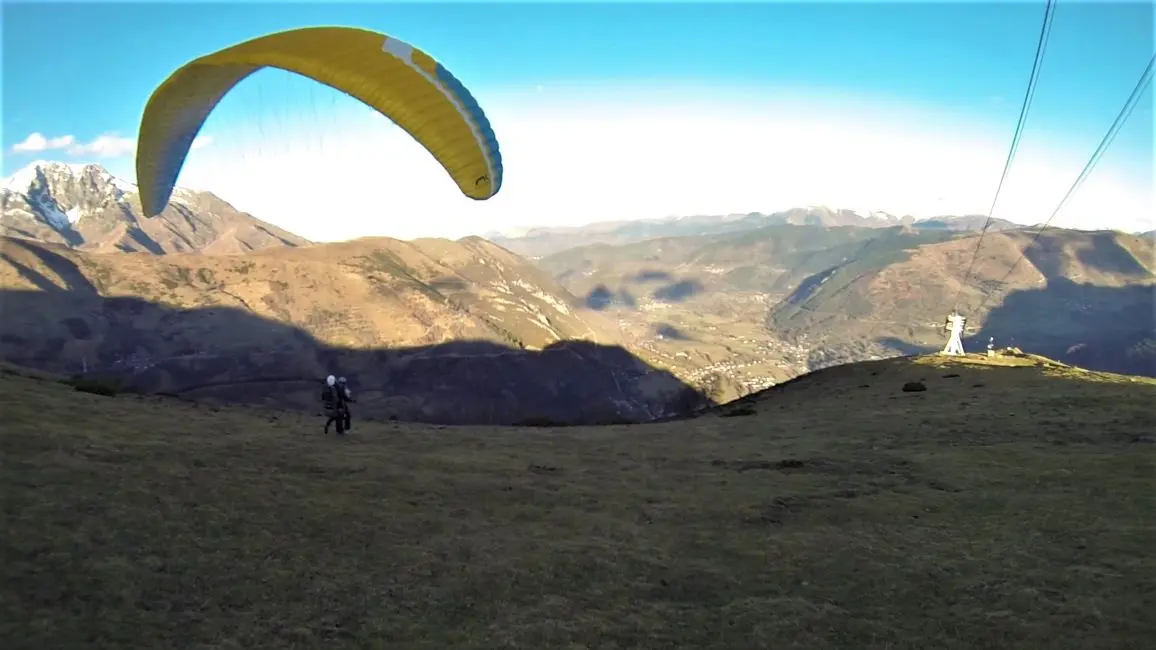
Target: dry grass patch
[{"x": 843, "y": 513}]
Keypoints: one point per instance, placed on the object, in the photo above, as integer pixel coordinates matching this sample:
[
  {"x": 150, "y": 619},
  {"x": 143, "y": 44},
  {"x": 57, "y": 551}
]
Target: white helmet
[
  {"x": 341, "y": 380},
  {"x": 330, "y": 380}
]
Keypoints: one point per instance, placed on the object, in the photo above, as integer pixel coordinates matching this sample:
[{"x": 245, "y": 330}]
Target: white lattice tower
[{"x": 955, "y": 325}]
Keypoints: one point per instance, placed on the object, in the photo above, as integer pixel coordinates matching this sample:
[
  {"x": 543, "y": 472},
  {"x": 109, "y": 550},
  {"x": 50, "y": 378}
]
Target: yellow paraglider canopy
[{"x": 391, "y": 76}]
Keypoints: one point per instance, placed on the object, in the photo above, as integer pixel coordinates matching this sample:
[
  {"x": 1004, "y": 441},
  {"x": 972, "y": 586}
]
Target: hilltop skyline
[{"x": 701, "y": 110}]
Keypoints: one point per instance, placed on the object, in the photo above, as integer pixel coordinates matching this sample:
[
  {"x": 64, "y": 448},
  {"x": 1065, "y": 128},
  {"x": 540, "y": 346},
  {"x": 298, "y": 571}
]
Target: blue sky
[{"x": 85, "y": 70}]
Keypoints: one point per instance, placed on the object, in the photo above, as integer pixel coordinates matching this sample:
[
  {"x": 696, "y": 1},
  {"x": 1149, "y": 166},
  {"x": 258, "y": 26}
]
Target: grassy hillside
[{"x": 1008, "y": 505}]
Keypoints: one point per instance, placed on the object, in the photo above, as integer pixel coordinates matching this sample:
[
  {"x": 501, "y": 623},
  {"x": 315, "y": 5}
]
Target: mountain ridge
[
  {"x": 85, "y": 207},
  {"x": 541, "y": 241}
]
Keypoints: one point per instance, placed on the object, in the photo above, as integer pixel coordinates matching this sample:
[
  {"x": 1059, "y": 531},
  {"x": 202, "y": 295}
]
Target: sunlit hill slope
[
  {"x": 767, "y": 304},
  {"x": 430, "y": 330},
  {"x": 1085, "y": 298}
]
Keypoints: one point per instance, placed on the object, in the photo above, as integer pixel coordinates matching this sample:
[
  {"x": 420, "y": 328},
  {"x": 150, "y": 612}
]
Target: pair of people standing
[{"x": 336, "y": 398}]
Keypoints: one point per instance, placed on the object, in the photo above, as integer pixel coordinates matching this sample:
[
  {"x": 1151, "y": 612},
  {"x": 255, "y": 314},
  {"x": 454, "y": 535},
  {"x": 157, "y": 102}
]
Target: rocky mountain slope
[
  {"x": 86, "y": 208},
  {"x": 429, "y": 330},
  {"x": 543, "y": 241}
]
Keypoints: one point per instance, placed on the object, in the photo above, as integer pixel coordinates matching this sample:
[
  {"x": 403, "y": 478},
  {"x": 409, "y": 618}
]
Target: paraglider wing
[{"x": 394, "y": 78}]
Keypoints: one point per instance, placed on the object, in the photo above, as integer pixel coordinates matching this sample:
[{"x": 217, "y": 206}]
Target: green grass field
[{"x": 1009, "y": 505}]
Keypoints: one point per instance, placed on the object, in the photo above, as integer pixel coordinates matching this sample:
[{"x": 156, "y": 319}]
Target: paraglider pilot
[{"x": 333, "y": 399}]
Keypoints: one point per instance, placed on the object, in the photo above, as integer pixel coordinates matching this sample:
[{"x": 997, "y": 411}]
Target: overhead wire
[
  {"x": 1025, "y": 108},
  {"x": 1113, "y": 130},
  {"x": 1029, "y": 94}
]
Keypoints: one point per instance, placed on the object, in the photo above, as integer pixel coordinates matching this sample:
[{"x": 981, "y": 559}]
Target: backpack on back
[{"x": 328, "y": 397}]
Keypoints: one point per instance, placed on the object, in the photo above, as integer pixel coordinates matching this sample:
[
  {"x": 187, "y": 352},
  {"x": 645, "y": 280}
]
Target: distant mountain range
[{"x": 538, "y": 242}]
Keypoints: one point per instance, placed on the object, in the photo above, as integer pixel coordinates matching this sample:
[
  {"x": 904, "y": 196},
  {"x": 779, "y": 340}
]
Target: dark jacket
[{"x": 333, "y": 398}]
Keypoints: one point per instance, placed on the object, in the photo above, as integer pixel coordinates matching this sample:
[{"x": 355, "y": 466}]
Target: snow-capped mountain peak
[
  {"x": 28, "y": 176},
  {"x": 61, "y": 194},
  {"x": 42, "y": 171},
  {"x": 85, "y": 206}
]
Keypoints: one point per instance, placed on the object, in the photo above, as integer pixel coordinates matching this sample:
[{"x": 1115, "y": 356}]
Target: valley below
[
  {"x": 717, "y": 343},
  {"x": 736, "y": 313}
]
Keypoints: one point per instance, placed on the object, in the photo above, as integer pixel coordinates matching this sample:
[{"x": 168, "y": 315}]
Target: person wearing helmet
[
  {"x": 333, "y": 402},
  {"x": 347, "y": 398}
]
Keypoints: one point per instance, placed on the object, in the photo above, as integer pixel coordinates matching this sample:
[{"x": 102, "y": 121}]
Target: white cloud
[
  {"x": 105, "y": 146},
  {"x": 37, "y": 142}
]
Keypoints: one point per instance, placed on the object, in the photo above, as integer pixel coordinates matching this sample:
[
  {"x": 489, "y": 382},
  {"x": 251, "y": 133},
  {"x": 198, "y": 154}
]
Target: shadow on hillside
[
  {"x": 234, "y": 356},
  {"x": 449, "y": 283},
  {"x": 907, "y": 348},
  {"x": 1112, "y": 329},
  {"x": 668, "y": 331},
  {"x": 808, "y": 287},
  {"x": 678, "y": 291},
  {"x": 143, "y": 240},
  {"x": 1108, "y": 256},
  {"x": 646, "y": 276},
  {"x": 1093, "y": 327},
  {"x": 1104, "y": 255},
  {"x": 602, "y": 298},
  {"x": 65, "y": 269}
]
